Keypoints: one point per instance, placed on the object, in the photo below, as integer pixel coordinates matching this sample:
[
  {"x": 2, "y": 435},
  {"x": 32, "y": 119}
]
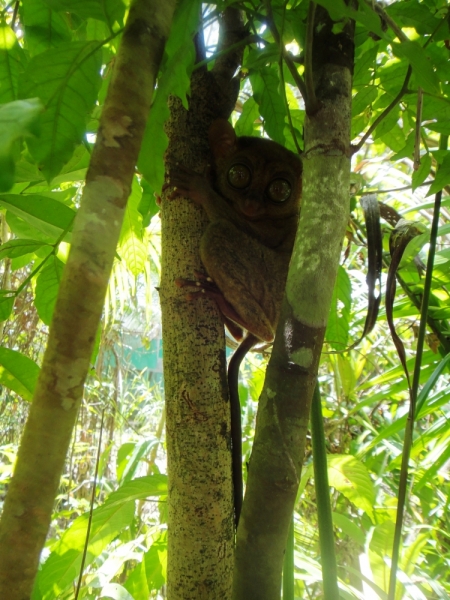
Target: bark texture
[
  {"x": 200, "y": 506},
  {"x": 283, "y": 414},
  {"x": 29, "y": 503}
]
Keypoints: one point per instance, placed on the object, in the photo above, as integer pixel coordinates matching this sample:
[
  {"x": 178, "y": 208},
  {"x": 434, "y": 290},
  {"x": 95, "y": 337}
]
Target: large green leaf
[
  {"x": 15, "y": 248},
  {"x": 150, "y": 573},
  {"x": 350, "y": 477},
  {"x": 45, "y": 214},
  {"x": 17, "y": 119},
  {"x": 47, "y": 287},
  {"x": 266, "y": 91},
  {"x": 44, "y": 27},
  {"x": 63, "y": 565},
  {"x": 422, "y": 67},
  {"x": 18, "y": 373},
  {"x": 67, "y": 82},
  {"x": 12, "y": 63},
  {"x": 104, "y": 10}
]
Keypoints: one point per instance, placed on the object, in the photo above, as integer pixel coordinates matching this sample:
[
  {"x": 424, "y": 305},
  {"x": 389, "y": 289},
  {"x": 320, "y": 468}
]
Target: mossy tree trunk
[
  {"x": 29, "y": 502},
  {"x": 200, "y": 505},
  {"x": 284, "y": 407}
]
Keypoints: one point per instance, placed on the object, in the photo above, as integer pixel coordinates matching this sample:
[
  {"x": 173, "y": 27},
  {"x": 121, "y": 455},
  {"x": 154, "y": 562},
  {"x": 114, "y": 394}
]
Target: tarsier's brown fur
[{"x": 252, "y": 199}]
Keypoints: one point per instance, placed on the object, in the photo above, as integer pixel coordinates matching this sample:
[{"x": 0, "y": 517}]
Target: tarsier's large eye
[
  {"x": 239, "y": 176},
  {"x": 279, "y": 190}
]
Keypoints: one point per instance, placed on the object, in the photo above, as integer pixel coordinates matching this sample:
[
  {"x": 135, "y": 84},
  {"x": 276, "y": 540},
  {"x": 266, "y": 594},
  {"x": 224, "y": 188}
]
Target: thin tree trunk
[
  {"x": 283, "y": 414},
  {"x": 200, "y": 506},
  {"x": 29, "y": 503}
]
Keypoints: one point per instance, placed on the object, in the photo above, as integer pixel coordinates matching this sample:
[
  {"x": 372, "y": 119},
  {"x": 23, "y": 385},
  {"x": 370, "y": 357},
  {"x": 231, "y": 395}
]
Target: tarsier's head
[{"x": 258, "y": 177}]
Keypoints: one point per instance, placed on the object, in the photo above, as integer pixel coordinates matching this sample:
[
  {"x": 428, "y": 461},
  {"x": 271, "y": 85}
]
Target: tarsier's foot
[{"x": 207, "y": 288}]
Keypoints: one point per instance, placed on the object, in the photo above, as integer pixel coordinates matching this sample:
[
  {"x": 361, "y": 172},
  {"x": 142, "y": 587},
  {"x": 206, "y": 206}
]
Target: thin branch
[
  {"x": 389, "y": 21},
  {"x": 91, "y": 507},
  {"x": 418, "y": 128},
  {"x": 286, "y": 55},
  {"x": 311, "y": 103},
  {"x": 357, "y": 147}
]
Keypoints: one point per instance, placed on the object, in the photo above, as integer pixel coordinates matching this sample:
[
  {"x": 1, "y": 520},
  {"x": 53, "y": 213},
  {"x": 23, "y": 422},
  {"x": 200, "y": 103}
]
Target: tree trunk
[
  {"x": 283, "y": 414},
  {"x": 200, "y": 506},
  {"x": 29, "y": 503}
]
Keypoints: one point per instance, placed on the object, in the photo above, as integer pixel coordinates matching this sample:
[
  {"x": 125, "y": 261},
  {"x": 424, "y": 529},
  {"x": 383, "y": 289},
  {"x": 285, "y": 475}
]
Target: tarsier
[{"x": 251, "y": 196}]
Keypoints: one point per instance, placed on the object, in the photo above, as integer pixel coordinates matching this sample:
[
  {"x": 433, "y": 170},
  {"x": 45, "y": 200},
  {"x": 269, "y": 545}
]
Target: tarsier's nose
[{"x": 252, "y": 207}]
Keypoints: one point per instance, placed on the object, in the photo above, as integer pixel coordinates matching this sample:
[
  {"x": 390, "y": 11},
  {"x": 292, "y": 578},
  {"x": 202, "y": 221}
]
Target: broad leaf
[
  {"x": 266, "y": 91},
  {"x": 18, "y": 373},
  {"x": 47, "y": 287},
  {"x": 17, "y": 119},
  {"x": 12, "y": 64},
  {"x": 15, "y": 248},
  {"x": 44, "y": 27},
  {"x": 67, "y": 82},
  {"x": 103, "y": 10},
  {"x": 350, "y": 477},
  {"x": 45, "y": 214}
]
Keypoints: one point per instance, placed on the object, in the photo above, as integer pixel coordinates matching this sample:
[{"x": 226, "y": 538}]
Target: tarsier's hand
[{"x": 188, "y": 184}]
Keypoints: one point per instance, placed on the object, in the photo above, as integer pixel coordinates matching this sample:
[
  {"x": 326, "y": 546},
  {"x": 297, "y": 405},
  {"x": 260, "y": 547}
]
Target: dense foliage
[{"x": 55, "y": 66}]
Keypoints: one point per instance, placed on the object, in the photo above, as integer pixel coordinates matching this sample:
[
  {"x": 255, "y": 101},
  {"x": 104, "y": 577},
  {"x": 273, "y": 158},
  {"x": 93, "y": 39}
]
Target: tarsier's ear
[{"x": 222, "y": 138}]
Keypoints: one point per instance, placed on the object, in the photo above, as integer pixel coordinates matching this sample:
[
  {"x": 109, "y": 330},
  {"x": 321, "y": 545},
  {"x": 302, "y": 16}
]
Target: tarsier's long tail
[{"x": 236, "y": 426}]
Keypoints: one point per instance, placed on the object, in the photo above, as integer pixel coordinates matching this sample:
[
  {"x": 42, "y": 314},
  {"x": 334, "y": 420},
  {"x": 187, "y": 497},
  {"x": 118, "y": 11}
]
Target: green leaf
[
  {"x": 339, "y": 317},
  {"x": 132, "y": 222},
  {"x": 245, "y": 123},
  {"x": 419, "y": 176},
  {"x": 6, "y": 306},
  {"x": 422, "y": 67},
  {"x": 353, "y": 530},
  {"x": 63, "y": 565},
  {"x": 139, "y": 489},
  {"x": 442, "y": 176},
  {"x": 103, "y": 10},
  {"x": 15, "y": 248},
  {"x": 412, "y": 13},
  {"x": 45, "y": 214},
  {"x": 350, "y": 477},
  {"x": 12, "y": 64},
  {"x": 175, "y": 79},
  {"x": 266, "y": 86},
  {"x": 18, "y": 373},
  {"x": 363, "y": 100},
  {"x": 134, "y": 252},
  {"x": 364, "y": 66},
  {"x": 44, "y": 27},
  {"x": 47, "y": 287},
  {"x": 149, "y": 574},
  {"x": 147, "y": 206},
  {"x": 17, "y": 119},
  {"x": 389, "y": 121},
  {"x": 67, "y": 82}
]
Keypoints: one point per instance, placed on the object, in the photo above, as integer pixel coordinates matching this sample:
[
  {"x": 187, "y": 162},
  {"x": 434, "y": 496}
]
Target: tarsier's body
[{"x": 252, "y": 202}]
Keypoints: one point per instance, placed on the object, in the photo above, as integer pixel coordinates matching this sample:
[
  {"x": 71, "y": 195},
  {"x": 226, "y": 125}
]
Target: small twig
[
  {"x": 390, "y": 22},
  {"x": 14, "y": 17},
  {"x": 91, "y": 508}
]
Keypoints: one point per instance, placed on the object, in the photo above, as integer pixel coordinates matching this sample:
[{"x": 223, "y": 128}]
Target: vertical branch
[{"x": 28, "y": 505}]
